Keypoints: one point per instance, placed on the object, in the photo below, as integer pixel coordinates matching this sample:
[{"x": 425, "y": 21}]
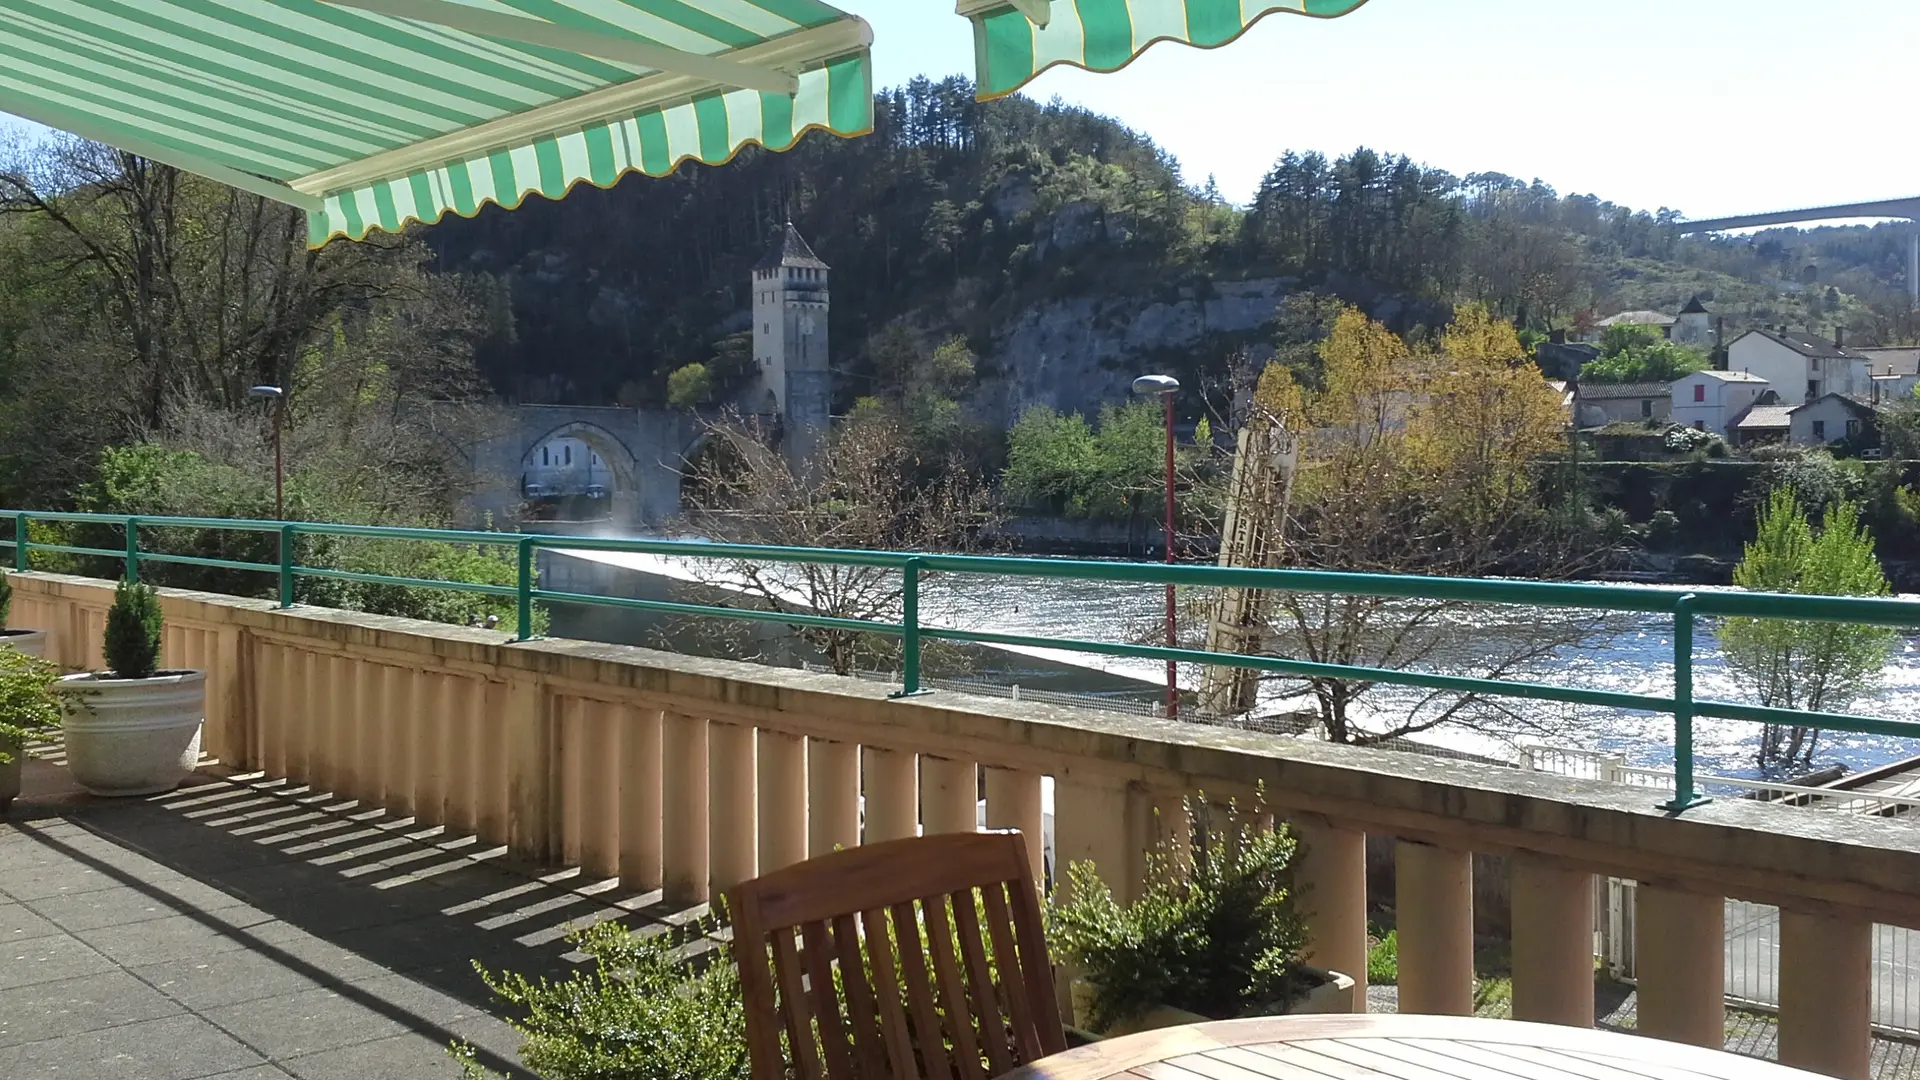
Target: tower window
[
  {"x": 766, "y": 328},
  {"x": 544, "y": 459},
  {"x": 569, "y": 455}
]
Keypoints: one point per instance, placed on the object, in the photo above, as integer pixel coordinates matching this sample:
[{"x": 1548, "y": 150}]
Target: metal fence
[
  {"x": 1753, "y": 930},
  {"x": 1683, "y": 607}
]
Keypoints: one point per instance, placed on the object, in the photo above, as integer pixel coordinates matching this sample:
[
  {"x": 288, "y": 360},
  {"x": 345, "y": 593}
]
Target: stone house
[{"x": 1715, "y": 400}]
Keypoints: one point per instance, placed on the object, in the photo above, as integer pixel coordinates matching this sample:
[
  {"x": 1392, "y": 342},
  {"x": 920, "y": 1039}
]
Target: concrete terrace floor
[{"x": 255, "y": 930}]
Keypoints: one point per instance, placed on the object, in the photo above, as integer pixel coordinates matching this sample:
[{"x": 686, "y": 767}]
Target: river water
[{"x": 1632, "y": 653}]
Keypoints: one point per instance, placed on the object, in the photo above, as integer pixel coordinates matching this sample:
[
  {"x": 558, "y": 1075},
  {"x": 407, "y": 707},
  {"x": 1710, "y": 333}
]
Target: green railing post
[
  {"x": 133, "y": 549},
  {"x": 523, "y": 597},
  {"x": 910, "y": 630},
  {"x": 1684, "y": 793},
  {"x": 287, "y": 545},
  {"x": 20, "y": 560}
]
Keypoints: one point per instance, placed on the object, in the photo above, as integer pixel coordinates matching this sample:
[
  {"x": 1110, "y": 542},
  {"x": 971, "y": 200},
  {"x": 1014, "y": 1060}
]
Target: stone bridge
[{"x": 643, "y": 450}]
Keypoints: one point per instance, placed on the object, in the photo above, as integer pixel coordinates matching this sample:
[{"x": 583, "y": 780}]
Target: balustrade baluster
[
  {"x": 833, "y": 796},
  {"x": 783, "y": 799},
  {"x": 683, "y": 786},
  {"x": 1433, "y": 911},
  {"x": 733, "y": 851}
]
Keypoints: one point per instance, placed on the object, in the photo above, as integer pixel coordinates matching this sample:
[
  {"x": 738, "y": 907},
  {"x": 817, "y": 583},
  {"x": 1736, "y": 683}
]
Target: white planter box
[
  {"x": 1333, "y": 993},
  {"x": 31, "y": 642},
  {"x": 133, "y": 736}
]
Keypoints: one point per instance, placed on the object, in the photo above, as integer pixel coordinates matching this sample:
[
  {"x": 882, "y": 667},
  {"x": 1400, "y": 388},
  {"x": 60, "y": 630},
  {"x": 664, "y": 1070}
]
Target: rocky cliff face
[{"x": 1077, "y": 353}]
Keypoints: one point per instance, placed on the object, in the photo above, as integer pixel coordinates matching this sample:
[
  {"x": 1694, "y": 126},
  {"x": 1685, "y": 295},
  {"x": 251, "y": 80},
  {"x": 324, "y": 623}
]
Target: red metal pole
[{"x": 1173, "y": 641}]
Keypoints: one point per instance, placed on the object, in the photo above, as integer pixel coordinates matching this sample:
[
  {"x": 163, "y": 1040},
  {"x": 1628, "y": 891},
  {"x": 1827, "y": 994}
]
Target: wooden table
[{"x": 1394, "y": 1048}]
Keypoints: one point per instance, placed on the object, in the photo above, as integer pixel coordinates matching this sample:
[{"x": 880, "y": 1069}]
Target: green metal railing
[{"x": 1684, "y": 607}]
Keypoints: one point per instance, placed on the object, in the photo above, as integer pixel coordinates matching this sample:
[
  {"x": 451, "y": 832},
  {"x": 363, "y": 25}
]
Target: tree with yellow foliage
[{"x": 1422, "y": 460}]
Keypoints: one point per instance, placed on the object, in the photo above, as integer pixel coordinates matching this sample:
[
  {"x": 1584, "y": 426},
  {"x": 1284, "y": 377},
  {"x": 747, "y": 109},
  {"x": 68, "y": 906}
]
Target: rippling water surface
[{"x": 1634, "y": 655}]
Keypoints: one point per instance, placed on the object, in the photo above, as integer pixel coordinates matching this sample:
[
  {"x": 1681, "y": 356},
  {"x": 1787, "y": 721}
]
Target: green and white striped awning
[
  {"x": 372, "y": 113},
  {"x": 1015, "y": 40}
]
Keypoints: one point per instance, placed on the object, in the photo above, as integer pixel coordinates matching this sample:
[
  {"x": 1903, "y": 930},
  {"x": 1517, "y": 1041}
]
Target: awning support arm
[
  {"x": 623, "y": 50},
  {"x": 1038, "y": 12},
  {"x": 79, "y": 124}
]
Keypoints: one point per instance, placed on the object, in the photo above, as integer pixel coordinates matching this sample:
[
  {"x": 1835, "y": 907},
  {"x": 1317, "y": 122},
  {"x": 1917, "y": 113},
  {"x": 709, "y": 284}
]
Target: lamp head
[
  {"x": 1152, "y": 385},
  {"x": 265, "y": 392}
]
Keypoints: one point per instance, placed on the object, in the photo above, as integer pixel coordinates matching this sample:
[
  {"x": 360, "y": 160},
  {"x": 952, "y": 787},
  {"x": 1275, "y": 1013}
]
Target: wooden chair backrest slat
[
  {"x": 926, "y": 1017},
  {"x": 916, "y": 959},
  {"x": 799, "y": 1017},
  {"x": 821, "y": 997},
  {"x": 986, "y": 1003}
]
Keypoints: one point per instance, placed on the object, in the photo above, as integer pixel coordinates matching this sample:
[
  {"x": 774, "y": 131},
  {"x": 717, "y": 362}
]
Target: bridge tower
[{"x": 790, "y": 302}]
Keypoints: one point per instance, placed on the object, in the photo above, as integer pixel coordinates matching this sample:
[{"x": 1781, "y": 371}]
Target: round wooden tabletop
[{"x": 1394, "y": 1048}]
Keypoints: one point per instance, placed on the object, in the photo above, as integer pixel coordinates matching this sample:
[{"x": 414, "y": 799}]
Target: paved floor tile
[
  {"x": 307, "y": 1023},
  {"x": 401, "y": 1057},
  {"x": 440, "y": 997},
  {"x": 174, "y": 1048},
  {"x": 19, "y": 922},
  {"x": 176, "y": 937},
  {"x": 117, "y": 906},
  {"x": 225, "y": 979},
  {"x": 48, "y": 959},
  {"x": 56, "y": 879},
  {"x": 256, "y": 1072},
  {"x": 72, "y": 1006}
]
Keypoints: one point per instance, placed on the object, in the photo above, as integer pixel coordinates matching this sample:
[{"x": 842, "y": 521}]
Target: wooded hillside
[{"x": 957, "y": 216}]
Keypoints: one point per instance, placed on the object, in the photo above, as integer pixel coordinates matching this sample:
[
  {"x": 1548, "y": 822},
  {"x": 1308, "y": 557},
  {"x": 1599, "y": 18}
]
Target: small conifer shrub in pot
[
  {"x": 133, "y": 729},
  {"x": 28, "y": 707},
  {"x": 1217, "y": 934},
  {"x": 31, "y": 642}
]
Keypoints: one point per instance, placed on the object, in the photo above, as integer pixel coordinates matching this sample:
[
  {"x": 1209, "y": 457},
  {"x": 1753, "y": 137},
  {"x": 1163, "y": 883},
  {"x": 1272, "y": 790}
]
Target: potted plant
[
  {"x": 27, "y": 707},
  {"x": 31, "y": 642},
  {"x": 1217, "y": 935},
  {"x": 133, "y": 729}
]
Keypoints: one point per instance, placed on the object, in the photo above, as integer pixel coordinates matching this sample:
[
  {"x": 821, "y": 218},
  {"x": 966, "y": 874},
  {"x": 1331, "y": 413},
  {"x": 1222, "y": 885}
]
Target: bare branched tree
[
  {"x": 865, "y": 490},
  {"x": 1425, "y": 463},
  {"x": 139, "y": 303}
]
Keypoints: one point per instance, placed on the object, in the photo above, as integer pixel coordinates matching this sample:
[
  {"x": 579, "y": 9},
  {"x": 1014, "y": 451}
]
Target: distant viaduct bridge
[{"x": 1908, "y": 209}]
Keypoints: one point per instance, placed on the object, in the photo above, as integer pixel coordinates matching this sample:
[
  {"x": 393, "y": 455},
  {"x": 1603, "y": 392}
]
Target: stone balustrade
[{"x": 689, "y": 775}]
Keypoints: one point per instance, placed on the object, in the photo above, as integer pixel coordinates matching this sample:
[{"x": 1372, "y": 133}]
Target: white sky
[{"x": 1712, "y": 107}]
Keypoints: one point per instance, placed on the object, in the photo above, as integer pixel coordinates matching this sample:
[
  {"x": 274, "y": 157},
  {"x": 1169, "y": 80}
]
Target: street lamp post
[
  {"x": 1165, "y": 387},
  {"x": 279, "y": 399}
]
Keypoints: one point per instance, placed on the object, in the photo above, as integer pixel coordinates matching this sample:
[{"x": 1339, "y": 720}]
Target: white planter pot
[
  {"x": 31, "y": 642},
  {"x": 133, "y": 736}
]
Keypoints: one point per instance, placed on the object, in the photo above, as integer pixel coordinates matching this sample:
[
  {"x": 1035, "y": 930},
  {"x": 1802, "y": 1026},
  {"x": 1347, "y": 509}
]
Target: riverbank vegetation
[{"x": 1807, "y": 666}]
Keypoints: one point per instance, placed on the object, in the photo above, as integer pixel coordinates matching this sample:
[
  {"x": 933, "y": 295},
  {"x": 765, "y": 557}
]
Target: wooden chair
[{"x": 951, "y": 999}]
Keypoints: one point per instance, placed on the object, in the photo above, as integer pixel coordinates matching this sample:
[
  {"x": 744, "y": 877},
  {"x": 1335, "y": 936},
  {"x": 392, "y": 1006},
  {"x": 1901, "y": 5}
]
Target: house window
[
  {"x": 1699, "y": 425},
  {"x": 1646, "y": 408},
  {"x": 1853, "y": 428},
  {"x": 1820, "y": 430},
  {"x": 1813, "y": 389},
  {"x": 544, "y": 459},
  {"x": 1699, "y": 391}
]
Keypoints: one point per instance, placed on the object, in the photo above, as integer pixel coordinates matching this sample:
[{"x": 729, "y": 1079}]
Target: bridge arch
[{"x": 623, "y": 493}]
